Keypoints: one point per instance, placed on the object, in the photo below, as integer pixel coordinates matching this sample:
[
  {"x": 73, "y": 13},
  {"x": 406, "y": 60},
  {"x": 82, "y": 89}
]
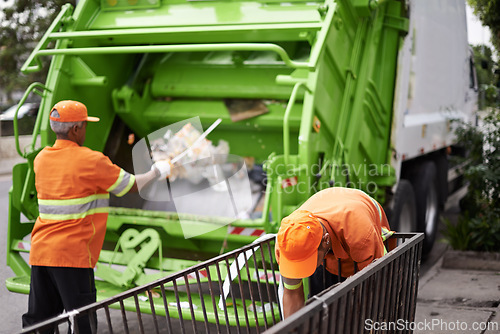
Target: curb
[{"x": 470, "y": 260}]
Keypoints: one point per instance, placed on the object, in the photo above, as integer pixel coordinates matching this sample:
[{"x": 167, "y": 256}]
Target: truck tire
[
  {"x": 425, "y": 185},
  {"x": 403, "y": 215}
]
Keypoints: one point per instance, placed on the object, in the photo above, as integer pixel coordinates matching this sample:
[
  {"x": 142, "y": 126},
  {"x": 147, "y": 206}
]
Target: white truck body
[{"x": 435, "y": 81}]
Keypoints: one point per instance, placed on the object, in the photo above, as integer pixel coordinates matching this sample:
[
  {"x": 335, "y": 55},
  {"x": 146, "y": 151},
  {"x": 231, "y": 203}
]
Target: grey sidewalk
[{"x": 458, "y": 298}]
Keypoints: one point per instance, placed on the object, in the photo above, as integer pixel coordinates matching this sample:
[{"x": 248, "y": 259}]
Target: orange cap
[
  {"x": 299, "y": 237},
  {"x": 71, "y": 111}
]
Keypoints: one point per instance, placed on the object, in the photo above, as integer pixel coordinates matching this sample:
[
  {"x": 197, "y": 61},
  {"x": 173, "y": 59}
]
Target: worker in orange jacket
[
  {"x": 73, "y": 184},
  {"x": 334, "y": 224}
]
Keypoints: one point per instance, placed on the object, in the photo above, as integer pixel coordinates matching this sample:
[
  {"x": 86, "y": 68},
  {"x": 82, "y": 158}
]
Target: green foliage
[
  {"x": 488, "y": 12},
  {"x": 483, "y": 59},
  {"x": 479, "y": 227},
  {"x": 458, "y": 236},
  {"x": 486, "y": 77},
  {"x": 22, "y": 25},
  {"x": 481, "y": 233}
]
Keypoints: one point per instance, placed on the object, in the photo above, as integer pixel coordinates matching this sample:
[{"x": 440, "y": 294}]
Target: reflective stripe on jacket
[{"x": 73, "y": 185}]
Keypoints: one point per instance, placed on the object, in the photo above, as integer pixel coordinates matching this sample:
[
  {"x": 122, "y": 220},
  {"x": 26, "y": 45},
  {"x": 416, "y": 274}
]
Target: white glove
[{"x": 164, "y": 167}]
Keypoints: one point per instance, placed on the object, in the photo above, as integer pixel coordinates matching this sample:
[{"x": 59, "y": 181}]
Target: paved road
[{"x": 13, "y": 305}]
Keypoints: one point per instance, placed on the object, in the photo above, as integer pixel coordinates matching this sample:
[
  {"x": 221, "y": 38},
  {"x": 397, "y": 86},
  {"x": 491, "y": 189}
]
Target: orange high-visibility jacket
[
  {"x": 73, "y": 185},
  {"x": 354, "y": 221}
]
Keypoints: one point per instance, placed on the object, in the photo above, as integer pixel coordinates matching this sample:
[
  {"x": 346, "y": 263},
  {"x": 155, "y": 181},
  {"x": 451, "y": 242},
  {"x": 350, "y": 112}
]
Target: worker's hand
[{"x": 162, "y": 168}]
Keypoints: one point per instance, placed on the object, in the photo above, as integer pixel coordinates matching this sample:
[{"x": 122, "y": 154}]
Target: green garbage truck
[{"x": 311, "y": 94}]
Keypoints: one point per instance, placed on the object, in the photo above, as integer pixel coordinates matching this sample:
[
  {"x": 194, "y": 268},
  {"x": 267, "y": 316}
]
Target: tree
[
  {"x": 478, "y": 228},
  {"x": 486, "y": 77},
  {"x": 488, "y": 12},
  {"x": 22, "y": 25}
]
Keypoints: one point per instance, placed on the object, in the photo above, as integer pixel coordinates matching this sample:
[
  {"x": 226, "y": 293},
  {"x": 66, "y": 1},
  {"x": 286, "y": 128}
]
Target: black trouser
[
  {"x": 55, "y": 289},
  {"x": 321, "y": 280}
]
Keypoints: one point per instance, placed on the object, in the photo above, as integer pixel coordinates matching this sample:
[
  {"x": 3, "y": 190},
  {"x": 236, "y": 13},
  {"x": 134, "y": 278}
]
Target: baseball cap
[
  {"x": 71, "y": 111},
  {"x": 299, "y": 237}
]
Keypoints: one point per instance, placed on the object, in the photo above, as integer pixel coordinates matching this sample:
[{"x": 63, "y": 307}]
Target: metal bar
[
  {"x": 368, "y": 287},
  {"x": 415, "y": 285},
  {"x": 165, "y": 304},
  {"x": 413, "y": 280},
  {"x": 377, "y": 293},
  {"x": 152, "y": 307},
  {"x": 124, "y": 316},
  {"x": 409, "y": 287},
  {"x": 382, "y": 295},
  {"x": 233, "y": 298},
  {"x": 312, "y": 323},
  {"x": 402, "y": 294},
  {"x": 349, "y": 86},
  {"x": 200, "y": 293},
  {"x": 274, "y": 276},
  {"x": 358, "y": 307},
  {"x": 219, "y": 279},
  {"x": 105, "y": 34},
  {"x": 191, "y": 309},
  {"x": 33, "y": 87},
  {"x": 242, "y": 294},
  {"x": 388, "y": 290},
  {"x": 286, "y": 121},
  {"x": 397, "y": 287},
  {"x": 175, "y": 48},
  {"x": 75, "y": 326},
  {"x": 341, "y": 315},
  {"x": 399, "y": 284},
  {"x": 323, "y": 33},
  {"x": 323, "y": 325},
  {"x": 348, "y": 311},
  {"x": 93, "y": 321},
  {"x": 332, "y": 315},
  {"x": 268, "y": 286},
  {"x": 179, "y": 310},
  {"x": 108, "y": 319},
  {"x": 212, "y": 297},
  {"x": 258, "y": 290},
  {"x": 138, "y": 312},
  {"x": 404, "y": 312}
]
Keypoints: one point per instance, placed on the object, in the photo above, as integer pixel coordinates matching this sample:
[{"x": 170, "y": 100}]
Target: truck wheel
[
  {"x": 402, "y": 216},
  {"x": 425, "y": 183}
]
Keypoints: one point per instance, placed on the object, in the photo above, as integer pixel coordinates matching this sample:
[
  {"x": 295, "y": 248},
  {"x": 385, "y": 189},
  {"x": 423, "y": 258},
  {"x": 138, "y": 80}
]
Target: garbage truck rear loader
[{"x": 357, "y": 93}]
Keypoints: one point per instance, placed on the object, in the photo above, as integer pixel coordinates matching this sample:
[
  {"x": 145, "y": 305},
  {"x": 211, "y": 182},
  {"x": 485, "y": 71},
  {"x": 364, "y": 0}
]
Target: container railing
[
  {"x": 381, "y": 296},
  {"x": 232, "y": 293},
  {"x": 237, "y": 292}
]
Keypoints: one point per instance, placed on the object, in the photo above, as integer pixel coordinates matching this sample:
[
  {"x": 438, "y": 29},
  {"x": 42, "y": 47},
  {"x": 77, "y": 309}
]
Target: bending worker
[
  {"x": 334, "y": 224},
  {"x": 73, "y": 184}
]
